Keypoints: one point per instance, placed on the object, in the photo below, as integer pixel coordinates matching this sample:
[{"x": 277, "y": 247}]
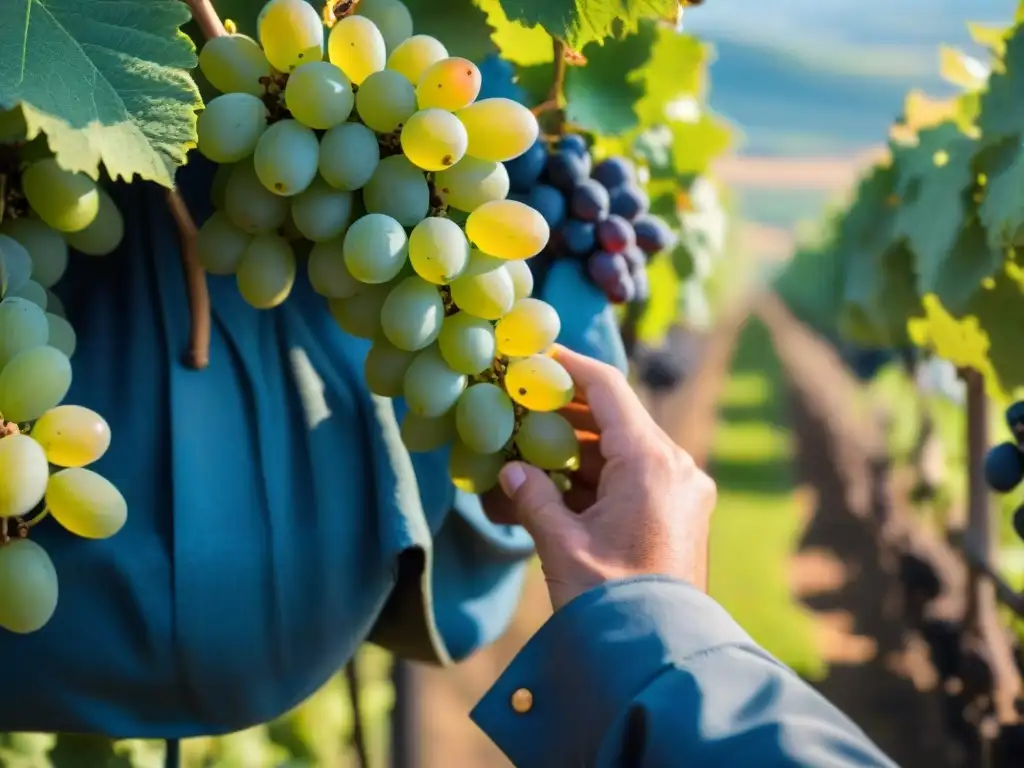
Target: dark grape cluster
[
  {"x": 1004, "y": 463},
  {"x": 598, "y": 214},
  {"x": 662, "y": 368}
]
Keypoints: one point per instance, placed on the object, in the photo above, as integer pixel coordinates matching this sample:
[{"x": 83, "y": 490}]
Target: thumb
[{"x": 535, "y": 498}]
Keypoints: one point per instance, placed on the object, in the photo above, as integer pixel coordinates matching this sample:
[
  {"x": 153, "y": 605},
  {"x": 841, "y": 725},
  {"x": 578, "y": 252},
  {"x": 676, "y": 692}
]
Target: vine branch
[
  {"x": 206, "y": 17},
  {"x": 556, "y": 93},
  {"x": 197, "y": 356}
]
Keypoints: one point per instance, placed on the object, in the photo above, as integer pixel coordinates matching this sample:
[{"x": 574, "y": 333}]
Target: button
[{"x": 522, "y": 701}]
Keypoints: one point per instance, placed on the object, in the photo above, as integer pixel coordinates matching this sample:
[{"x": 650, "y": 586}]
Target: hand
[{"x": 639, "y": 505}]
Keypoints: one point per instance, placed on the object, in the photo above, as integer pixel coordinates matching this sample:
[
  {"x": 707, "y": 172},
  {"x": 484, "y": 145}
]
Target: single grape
[
  {"x": 287, "y": 157},
  {"x": 391, "y": 17},
  {"x": 221, "y": 245},
  {"x": 23, "y": 475},
  {"x": 530, "y": 327},
  {"x": 32, "y": 291},
  {"x": 628, "y": 201},
  {"x": 46, "y": 248},
  {"x": 485, "y": 288},
  {"x": 574, "y": 144},
  {"x": 431, "y": 387},
  {"x": 17, "y": 264},
  {"x": 580, "y": 237},
  {"x": 250, "y": 205},
  {"x": 399, "y": 189},
  {"x": 62, "y": 335},
  {"x": 385, "y": 366},
  {"x": 438, "y": 250},
  {"x": 548, "y": 440},
  {"x": 450, "y": 84},
  {"x": 322, "y": 212},
  {"x": 615, "y": 234},
  {"x": 539, "y": 383},
  {"x": 652, "y": 234},
  {"x": 1004, "y": 467},
  {"x": 473, "y": 472},
  {"x": 614, "y": 172},
  {"x": 22, "y": 326},
  {"x": 412, "y": 315},
  {"x": 524, "y": 171},
  {"x": 415, "y": 55},
  {"x": 103, "y": 235},
  {"x": 53, "y": 305},
  {"x": 291, "y": 33},
  {"x": 433, "y": 139},
  {"x": 86, "y": 503},
  {"x": 66, "y": 201},
  {"x": 319, "y": 95},
  {"x": 470, "y": 183},
  {"x": 28, "y": 582},
  {"x": 590, "y": 201},
  {"x": 422, "y": 435},
  {"x": 636, "y": 260},
  {"x": 376, "y": 248},
  {"x": 349, "y": 154},
  {"x": 610, "y": 272},
  {"x": 34, "y": 381},
  {"x": 230, "y": 127},
  {"x": 359, "y": 315},
  {"x": 467, "y": 343},
  {"x": 566, "y": 171},
  {"x": 386, "y": 100},
  {"x": 485, "y": 418},
  {"x": 1014, "y": 418},
  {"x": 357, "y": 46},
  {"x": 327, "y": 271},
  {"x": 234, "y": 64},
  {"x": 522, "y": 278},
  {"x": 219, "y": 185},
  {"x": 498, "y": 129},
  {"x": 549, "y": 202},
  {"x": 266, "y": 273},
  {"x": 507, "y": 229}
]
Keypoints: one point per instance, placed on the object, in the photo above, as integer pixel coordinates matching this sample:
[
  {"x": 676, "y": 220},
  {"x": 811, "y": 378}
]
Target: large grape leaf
[
  {"x": 1002, "y": 208},
  {"x": 676, "y": 68},
  {"x": 1002, "y": 105},
  {"x": 105, "y": 80},
  {"x": 520, "y": 45},
  {"x": 955, "y": 278},
  {"x": 580, "y": 22}
]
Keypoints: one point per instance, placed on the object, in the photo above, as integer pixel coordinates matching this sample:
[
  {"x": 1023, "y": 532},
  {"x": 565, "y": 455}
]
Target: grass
[{"x": 758, "y": 521}]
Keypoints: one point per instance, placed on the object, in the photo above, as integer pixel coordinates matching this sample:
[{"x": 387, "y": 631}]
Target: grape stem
[
  {"x": 197, "y": 356},
  {"x": 207, "y": 19},
  {"x": 556, "y": 96}
]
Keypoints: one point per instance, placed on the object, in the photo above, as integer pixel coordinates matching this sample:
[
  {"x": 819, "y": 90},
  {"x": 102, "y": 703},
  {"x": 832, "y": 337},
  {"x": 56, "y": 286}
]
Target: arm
[{"x": 650, "y": 672}]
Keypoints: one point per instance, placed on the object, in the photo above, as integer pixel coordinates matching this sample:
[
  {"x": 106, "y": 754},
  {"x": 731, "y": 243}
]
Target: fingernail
[{"x": 511, "y": 479}]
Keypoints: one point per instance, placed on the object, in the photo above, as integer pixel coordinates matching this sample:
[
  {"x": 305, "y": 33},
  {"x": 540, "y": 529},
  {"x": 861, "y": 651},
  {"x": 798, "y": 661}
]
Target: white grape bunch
[
  {"x": 364, "y": 145},
  {"x": 45, "y": 446}
]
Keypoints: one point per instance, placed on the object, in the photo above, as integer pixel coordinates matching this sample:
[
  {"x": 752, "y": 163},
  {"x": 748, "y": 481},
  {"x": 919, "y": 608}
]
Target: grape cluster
[
  {"x": 1004, "y": 463},
  {"x": 384, "y": 161},
  {"x": 46, "y": 209},
  {"x": 598, "y": 214}
]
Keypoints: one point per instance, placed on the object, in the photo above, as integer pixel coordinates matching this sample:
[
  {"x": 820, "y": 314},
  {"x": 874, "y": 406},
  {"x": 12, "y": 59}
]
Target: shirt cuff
[{"x": 563, "y": 691}]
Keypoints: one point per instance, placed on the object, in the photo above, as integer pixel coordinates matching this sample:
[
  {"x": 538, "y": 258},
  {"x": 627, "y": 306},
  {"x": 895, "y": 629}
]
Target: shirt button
[{"x": 522, "y": 701}]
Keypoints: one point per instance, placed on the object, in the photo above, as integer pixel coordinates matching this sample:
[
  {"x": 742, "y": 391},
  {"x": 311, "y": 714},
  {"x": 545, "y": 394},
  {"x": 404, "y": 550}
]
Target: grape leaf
[
  {"x": 957, "y": 68},
  {"x": 1002, "y": 105},
  {"x": 988, "y": 36},
  {"x": 1002, "y": 208},
  {"x": 864, "y": 234},
  {"x": 676, "y": 68},
  {"x": 696, "y": 143},
  {"x": 518, "y": 44},
  {"x": 459, "y": 24},
  {"x": 105, "y": 81},
  {"x": 580, "y": 22},
  {"x": 956, "y": 276}
]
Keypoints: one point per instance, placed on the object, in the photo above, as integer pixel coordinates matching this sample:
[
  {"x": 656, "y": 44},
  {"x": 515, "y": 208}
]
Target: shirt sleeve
[{"x": 651, "y": 672}]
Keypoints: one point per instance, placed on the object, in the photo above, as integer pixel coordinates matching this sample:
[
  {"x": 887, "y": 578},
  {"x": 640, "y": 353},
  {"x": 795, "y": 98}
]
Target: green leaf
[
  {"x": 988, "y": 36},
  {"x": 957, "y": 68},
  {"x": 695, "y": 144},
  {"x": 956, "y": 277},
  {"x": 676, "y": 68},
  {"x": 105, "y": 81},
  {"x": 580, "y": 22},
  {"x": 1002, "y": 105},
  {"x": 1002, "y": 208},
  {"x": 520, "y": 45},
  {"x": 459, "y": 24}
]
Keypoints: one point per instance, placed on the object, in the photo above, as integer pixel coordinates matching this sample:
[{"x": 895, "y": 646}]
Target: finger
[
  {"x": 612, "y": 402},
  {"x": 536, "y": 500}
]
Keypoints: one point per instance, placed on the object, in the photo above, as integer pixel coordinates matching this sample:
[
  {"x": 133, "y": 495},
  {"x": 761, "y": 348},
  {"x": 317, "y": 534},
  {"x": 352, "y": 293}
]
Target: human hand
[{"x": 639, "y": 505}]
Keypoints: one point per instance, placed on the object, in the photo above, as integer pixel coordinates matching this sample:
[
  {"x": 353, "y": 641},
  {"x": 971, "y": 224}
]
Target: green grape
[
  {"x": 319, "y": 95},
  {"x": 219, "y": 185},
  {"x": 66, "y": 201},
  {"x": 291, "y": 33},
  {"x": 72, "y": 436},
  {"x": 266, "y": 273},
  {"x": 28, "y": 582},
  {"x": 432, "y": 388},
  {"x": 399, "y": 189},
  {"x": 230, "y": 127},
  {"x": 17, "y": 264},
  {"x": 438, "y": 250},
  {"x": 485, "y": 418},
  {"x": 391, "y": 17},
  {"x": 105, "y": 232},
  {"x": 484, "y": 289},
  {"x": 322, "y": 212},
  {"x": 24, "y": 473},
  {"x": 32, "y": 291},
  {"x": 359, "y": 315},
  {"x": 53, "y": 305},
  {"x": 539, "y": 383},
  {"x": 86, "y": 503},
  {"x": 34, "y": 381},
  {"x": 250, "y": 205},
  {"x": 327, "y": 271},
  {"x": 46, "y": 248},
  {"x": 220, "y": 245},
  {"x": 470, "y": 183},
  {"x": 473, "y": 472},
  {"x": 422, "y": 435},
  {"x": 375, "y": 248},
  {"x": 547, "y": 440},
  {"x": 385, "y": 366},
  {"x": 415, "y": 55},
  {"x": 522, "y": 278},
  {"x": 433, "y": 139},
  {"x": 349, "y": 154},
  {"x": 287, "y": 157},
  {"x": 507, "y": 229},
  {"x": 467, "y": 343},
  {"x": 411, "y": 317},
  {"x": 449, "y": 84},
  {"x": 22, "y": 326},
  {"x": 531, "y": 326},
  {"x": 498, "y": 129},
  {"x": 357, "y": 47},
  {"x": 62, "y": 334},
  {"x": 385, "y": 101},
  {"x": 234, "y": 64}
]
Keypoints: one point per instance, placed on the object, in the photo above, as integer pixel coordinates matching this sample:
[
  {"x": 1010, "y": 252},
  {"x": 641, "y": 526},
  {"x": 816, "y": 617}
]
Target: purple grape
[
  {"x": 524, "y": 170},
  {"x": 610, "y": 273},
  {"x": 565, "y": 170},
  {"x": 549, "y": 203},
  {"x": 616, "y": 234},
  {"x": 629, "y": 201},
  {"x": 614, "y": 172},
  {"x": 590, "y": 201},
  {"x": 574, "y": 144},
  {"x": 652, "y": 234},
  {"x": 636, "y": 259},
  {"x": 580, "y": 237}
]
